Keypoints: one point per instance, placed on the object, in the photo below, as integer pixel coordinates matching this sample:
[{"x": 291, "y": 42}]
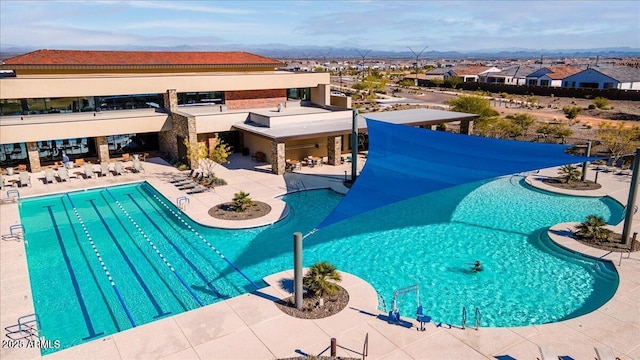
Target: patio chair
[
  {"x": 88, "y": 171},
  {"x": 49, "y": 176},
  {"x": 25, "y": 179},
  {"x": 137, "y": 166},
  {"x": 63, "y": 174},
  {"x": 118, "y": 168},
  {"x": 422, "y": 318},
  {"x": 104, "y": 168}
]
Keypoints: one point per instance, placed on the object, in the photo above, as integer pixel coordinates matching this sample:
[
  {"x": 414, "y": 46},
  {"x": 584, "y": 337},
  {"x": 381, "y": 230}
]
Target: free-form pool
[{"x": 429, "y": 240}]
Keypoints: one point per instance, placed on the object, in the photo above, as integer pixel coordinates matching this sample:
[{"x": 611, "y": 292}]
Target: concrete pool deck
[{"x": 251, "y": 327}]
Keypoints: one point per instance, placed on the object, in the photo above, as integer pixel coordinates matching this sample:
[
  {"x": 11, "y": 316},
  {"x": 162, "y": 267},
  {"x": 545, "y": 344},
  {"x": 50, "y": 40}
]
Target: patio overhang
[{"x": 343, "y": 125}]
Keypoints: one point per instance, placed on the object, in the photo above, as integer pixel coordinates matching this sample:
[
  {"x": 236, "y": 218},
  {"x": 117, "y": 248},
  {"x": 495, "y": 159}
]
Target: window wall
[
  {"x": 299, "y": 94},
  {"x": 79, "y": 104},
  {"x": 201, "y": 98}
]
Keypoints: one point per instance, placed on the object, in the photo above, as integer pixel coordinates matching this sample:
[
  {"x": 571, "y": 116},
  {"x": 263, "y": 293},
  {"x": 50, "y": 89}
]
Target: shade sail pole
[
  {"x": 584, "y": 164},
  {"x": 354, "y": 145},
  {"x": 631, "y": 202}
]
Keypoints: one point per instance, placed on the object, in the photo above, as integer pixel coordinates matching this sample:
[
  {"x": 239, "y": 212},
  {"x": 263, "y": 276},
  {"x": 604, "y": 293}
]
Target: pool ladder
[
  {"x": 16, "y": 231},
  {"x": 477, "y": 318}
]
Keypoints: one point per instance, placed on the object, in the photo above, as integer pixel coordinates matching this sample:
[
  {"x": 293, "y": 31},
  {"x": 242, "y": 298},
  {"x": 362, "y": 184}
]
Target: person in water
[{"x": 477, "y": 266}]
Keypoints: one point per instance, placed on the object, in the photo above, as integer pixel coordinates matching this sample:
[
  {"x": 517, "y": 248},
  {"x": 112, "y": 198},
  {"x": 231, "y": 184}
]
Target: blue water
[{"x": 162, "y": 266}]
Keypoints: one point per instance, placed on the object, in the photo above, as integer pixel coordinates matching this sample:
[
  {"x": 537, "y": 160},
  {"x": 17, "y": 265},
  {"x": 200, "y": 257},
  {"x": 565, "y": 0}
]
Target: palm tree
[
  {"x": 241, "y": 201},
  {"x": 320, "y": 279},
  {"x": 593, "y": 228},
  {"x": 569, "y": 173}
]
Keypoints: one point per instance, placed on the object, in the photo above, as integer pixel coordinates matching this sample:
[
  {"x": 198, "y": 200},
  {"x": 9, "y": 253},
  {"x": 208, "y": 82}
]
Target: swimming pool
[{"x": 428, "y": 241}]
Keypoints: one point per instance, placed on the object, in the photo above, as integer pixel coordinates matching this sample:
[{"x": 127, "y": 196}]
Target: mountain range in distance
[{"x": 281, "y": 51}]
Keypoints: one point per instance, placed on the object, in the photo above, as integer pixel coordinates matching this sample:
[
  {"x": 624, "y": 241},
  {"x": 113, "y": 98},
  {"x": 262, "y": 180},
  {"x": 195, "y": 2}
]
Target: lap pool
[{"x": 103, "y": 260}]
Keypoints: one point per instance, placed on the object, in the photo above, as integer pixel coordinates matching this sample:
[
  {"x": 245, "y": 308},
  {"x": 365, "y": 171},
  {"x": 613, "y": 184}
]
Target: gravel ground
[
  {"x": 224, "y": 211},
  {"x": 310, "y": 310}
]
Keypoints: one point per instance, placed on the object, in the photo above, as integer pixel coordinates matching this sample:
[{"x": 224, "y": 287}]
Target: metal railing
[
  {"x": 464, "y": 317},
  {"x": 182, "y": 202},
  {"x": 477, "y": 318}
]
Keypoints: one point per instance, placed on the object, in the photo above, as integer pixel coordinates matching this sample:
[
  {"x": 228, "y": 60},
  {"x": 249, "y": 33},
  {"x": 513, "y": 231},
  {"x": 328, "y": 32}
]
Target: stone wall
[
  {"x": 278, "y": 161},
  {"x": 248, "y": 99},
  {"x": 102, "y": 148},
  {"x": 334, "y": 150},
  {"x": 34, "y": 157}
]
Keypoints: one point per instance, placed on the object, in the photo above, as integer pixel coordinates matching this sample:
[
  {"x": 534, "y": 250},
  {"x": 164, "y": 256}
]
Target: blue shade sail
[{"x": 404, "y": 162}]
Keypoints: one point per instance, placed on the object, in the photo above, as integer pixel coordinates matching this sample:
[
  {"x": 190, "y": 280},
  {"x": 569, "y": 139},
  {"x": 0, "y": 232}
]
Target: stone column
[
  {"x": 34, "y": 156},
  {"x": 334, "y": 150},
  {"x": 466, "y": 127},
  {"x": 171, "y": 100},
  {"x": 278, "y": 161},
  {"x": 167, "y": 139},
  {"x": 102, "y": 148}
]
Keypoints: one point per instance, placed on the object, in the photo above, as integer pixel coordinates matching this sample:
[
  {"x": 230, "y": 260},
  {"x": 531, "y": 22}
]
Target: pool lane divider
[
  {"x": 155, "y": 248},
  {"x": 74, "y": 279},
  {"x": 204, "y": 240},
  {"x": 102, "y": 263}
]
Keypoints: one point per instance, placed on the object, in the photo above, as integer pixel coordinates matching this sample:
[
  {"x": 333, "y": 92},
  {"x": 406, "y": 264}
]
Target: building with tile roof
[
  {"x": 551, "y": 76},
  {"x": 103, "y": 104}
]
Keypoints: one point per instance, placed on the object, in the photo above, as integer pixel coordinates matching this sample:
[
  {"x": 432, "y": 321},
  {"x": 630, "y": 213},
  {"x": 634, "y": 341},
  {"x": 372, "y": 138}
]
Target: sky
[{"x": 368, "y": 25}]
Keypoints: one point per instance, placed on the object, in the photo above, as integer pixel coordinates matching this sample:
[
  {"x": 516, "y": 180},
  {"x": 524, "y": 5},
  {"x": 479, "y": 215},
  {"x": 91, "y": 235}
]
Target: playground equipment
[{"x": 398, "y": 295}]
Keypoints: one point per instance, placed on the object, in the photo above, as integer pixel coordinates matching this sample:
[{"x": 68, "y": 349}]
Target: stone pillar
[
  {"x": 278, "y": 161},
  {"x": 34, "y": 156},
  {"x": 171, "y": 100},
  {"x": 466, "y": 127},
  {"x": 334, "y": 150},
  {"x": 102, "y": 148}
]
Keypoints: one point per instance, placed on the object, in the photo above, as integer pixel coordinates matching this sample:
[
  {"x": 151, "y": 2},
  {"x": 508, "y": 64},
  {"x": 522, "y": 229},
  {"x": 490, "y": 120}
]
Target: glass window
[
  {"x": 201, "y": 98},
  {"x": 299, "y": 94}
]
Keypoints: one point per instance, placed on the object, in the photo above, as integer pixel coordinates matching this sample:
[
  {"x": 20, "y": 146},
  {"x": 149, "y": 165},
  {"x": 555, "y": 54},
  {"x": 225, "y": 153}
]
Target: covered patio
[{"x": 329, "y": 137}]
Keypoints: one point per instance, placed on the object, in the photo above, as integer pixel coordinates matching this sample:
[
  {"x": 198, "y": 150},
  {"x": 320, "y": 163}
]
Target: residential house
[
  {"x": 619, "y": 77},
  {"x": 514, "y": 75},
  {"x": 551, "y": 76},
  {"x": 470, "y": 73}
]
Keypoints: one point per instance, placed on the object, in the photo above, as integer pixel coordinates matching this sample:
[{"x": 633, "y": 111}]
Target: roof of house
[
  {"x": 144, "y": 58},
  {"x": 470, "y": 70},
  {"x": 621, "y": 73},
  {"x": 561, "y": 72},
  {"x": 516, "y": 71}
]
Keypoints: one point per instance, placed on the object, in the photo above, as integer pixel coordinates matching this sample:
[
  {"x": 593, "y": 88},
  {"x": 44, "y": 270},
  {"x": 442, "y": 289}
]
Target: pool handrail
[{"x": 104, "y": 266}]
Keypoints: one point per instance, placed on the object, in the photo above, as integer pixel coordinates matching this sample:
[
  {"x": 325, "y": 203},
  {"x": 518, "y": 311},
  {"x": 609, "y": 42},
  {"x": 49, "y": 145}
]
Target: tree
[
  {"x": 619, "y": 139},
  {"x": 560, "y": 131},
  {"x": 593, "y": 228},
  {"x": 321, "y": 279},
  {"x": 241, "y": 201},
  {"x": 207, "y": 158},
  {"x": 437, "y": 82},
  {"x": 571, "y": 112},
  {"x": 472, "y": 104},
  {"x": 569, "y": 173},
  {"x": 522, "y": 120},
  {"x": 453, "y": 81}
]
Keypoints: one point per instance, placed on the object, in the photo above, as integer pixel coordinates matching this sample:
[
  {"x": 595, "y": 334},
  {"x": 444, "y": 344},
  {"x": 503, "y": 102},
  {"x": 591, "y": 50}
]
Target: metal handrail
[
  {"x": 16, "y": 227},
  {"x": 621, "y": 253},
  {"x": 182, "y": 199},
  {"x": 478, "y": 318},
  {"x": 464, "y": 317}
]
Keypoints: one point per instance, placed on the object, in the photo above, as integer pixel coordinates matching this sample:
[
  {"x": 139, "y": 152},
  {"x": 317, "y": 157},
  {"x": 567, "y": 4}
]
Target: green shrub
[
  {"x": 601, "y": 103},
  {"x": 592, "y": 106}
]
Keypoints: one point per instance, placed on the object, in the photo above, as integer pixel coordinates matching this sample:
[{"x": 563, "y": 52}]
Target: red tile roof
[
  {"x": 148, "y": 58},
  {"x": 471, "y": 70},
  {"x": 561, "y": 72}
]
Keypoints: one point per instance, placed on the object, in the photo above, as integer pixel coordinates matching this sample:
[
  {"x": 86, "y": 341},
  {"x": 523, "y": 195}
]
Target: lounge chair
[
  {"x": 197, "y": 189},
  {"x": 49, "y": 176},
  {"x": 605, "y": 354},
  {"x": 187, "y": 186},
  {"x": 118, "y": 168},
  {"x": 88, "y": 171},
  {"x": 182, "y": 177},
  {"x": 25, "y": 179},
  {"x": 63, "y": 174},
  {"x": 547, "y": 353},
  {"x": 104, "y": 168}
]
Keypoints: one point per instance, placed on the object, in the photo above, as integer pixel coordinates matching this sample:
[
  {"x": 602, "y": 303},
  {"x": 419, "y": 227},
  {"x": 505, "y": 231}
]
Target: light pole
[
  {"x": 363, "y": 56},
  {"x": 631, "y": 202},
  {"x": 417, "y": 59}
]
